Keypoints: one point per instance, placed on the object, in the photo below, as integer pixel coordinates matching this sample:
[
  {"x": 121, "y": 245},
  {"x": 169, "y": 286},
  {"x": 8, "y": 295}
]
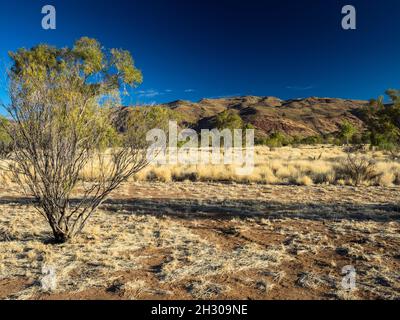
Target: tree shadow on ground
[
  {"x": 236, "y": 208},
  {"x": 228, "y": 209}
]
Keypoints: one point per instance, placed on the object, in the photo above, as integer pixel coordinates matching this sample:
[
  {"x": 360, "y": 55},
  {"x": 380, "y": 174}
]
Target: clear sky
[{"x": 191, "y": 49}]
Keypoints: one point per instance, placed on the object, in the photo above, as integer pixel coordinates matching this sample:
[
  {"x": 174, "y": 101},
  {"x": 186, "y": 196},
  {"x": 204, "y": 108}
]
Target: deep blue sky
[{"x": 190, "y": 49}]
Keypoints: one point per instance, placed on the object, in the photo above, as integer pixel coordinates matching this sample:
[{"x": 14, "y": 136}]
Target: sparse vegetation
[
  {"x": 241, "y": 241},
  {"x": 61, "y": 122},
  {"x": 284, "y": 230},
  {"x": 305, "y": 165}
]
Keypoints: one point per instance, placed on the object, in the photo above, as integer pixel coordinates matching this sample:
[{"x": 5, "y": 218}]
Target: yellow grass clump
[{"x": 304, "y": 181}]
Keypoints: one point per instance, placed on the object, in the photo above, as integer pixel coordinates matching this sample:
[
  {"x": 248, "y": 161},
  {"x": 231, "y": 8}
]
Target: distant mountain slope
[
  {"x": 303, "y": 117},
  {"x": 298, "y": 117}
]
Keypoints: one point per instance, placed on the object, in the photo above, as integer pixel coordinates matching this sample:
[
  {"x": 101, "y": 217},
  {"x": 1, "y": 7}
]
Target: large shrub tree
[
  {"x": 60, "y": 112},
  {"x": 383, "y": 121}
]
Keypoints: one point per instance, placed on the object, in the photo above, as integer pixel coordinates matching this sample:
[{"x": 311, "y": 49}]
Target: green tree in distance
[
  {"x": 383, "y": 121},
  {"x": 347, "y": 131},
  {"x": 228, "y": 120}
]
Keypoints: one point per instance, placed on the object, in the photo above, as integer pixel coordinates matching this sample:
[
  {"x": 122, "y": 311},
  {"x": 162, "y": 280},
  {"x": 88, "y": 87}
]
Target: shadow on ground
[{"x": 228, "y": 209}]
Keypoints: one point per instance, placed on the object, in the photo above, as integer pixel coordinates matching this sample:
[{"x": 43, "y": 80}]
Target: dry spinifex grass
[
  {"x": 296, "y": 166},
  {"x": 198, "y": 255}
]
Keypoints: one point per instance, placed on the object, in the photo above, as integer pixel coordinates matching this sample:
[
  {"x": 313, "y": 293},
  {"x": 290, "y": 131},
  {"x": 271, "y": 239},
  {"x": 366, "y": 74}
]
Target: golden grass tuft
[
  {"x": 304, "y": 181},
  {"x": 387, "y": 179}
]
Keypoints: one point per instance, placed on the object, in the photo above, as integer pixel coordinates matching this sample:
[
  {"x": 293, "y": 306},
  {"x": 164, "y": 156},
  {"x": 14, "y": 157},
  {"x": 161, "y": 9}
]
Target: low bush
[{"x": 357, "y": 169}]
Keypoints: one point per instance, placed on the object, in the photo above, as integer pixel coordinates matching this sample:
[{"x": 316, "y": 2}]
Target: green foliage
[
  {"x": 4, "y": 136},
  {"x": 87, "y": 63},
  {"x": 143, "y": 119},
  {"x": 61, "y": 104},
  {"x": 311, "y": 140},
  {"x": 249, "y": 126},
  {"x": 383, "y": 121},
  {"x": 5, "y": 139},
  {"x": 123, "y": 61},
  {"x": 347, "y": 131},
  {"x": 228, "y": 120},
  {"x": 76, "y": 82},
  {"x": 279, "y": 140},
  {"x": 89, "y": 50},
  {"x": 276, "y": 140}
]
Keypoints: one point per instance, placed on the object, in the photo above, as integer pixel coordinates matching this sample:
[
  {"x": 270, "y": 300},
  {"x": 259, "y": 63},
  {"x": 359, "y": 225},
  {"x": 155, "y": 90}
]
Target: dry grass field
[
  {"x": 284, "y": 232},
  {"x": 305, "y": 165}
]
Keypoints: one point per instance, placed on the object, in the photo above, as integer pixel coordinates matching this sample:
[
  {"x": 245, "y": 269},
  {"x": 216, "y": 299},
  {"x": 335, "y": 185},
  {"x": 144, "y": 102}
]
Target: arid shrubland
[
  {"x": 293, "y": 166},
  {"x": 61, "y": 129},
  {"x": 299, "y": 166}
]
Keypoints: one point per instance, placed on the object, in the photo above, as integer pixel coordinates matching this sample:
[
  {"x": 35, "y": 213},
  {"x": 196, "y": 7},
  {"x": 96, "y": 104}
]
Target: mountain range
[{"x": 303, "y": 117}]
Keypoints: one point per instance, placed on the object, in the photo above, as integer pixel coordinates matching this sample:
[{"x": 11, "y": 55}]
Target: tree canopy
[{"x": 383, "y": 120}]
